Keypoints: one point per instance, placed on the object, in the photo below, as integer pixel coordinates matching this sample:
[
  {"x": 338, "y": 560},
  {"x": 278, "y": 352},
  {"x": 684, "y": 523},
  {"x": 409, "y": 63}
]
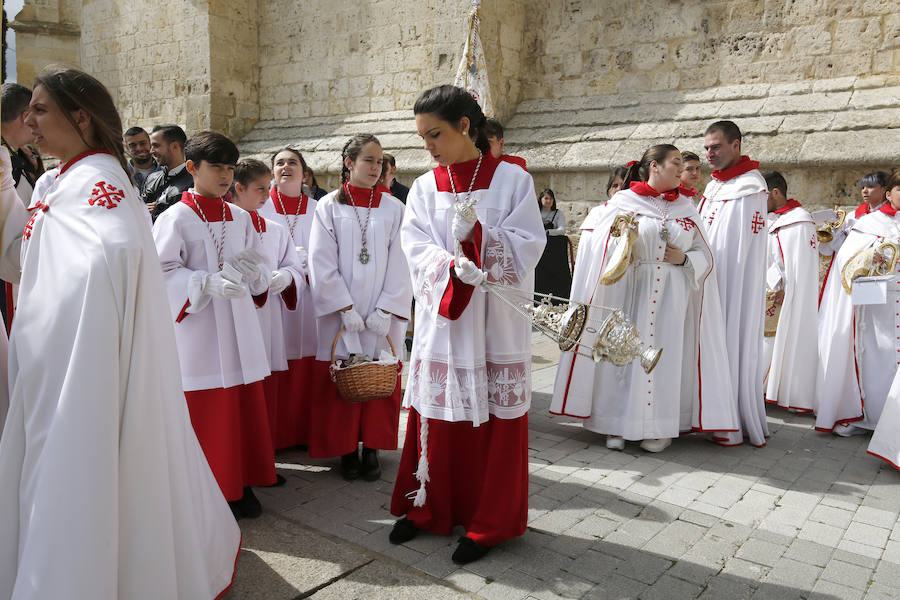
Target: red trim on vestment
[
  {"x": 780, "y": 249},
  {"x": 686, "y": 191},
  {"x": 184, "y": 313},
  {"x": 516, "y": 160},
  {"x": 211, "y": 207},
  {"x": 360, "y": 196},
  {"x": 84, "y": 154},
  {"x": 457, "y": 294},
  {"x": 887, "y": 460},
  {"x": 712, "y": 267},
  {"x": 862, "y": 209},
  {"x": 259, "y": 223},
  {"x": 642, "y": 188},
  {"x": 745, "y": 165},
  {"x": 233, "y": 571},
  {"x": 10, "y": 307},
  {"x": 290, "y": 203},
  {"x": 289, "y": 295},
  {"x": 887, "y": 209},
  {"x": 825, "y": 279},
  {"x": 794, "y": 408},
  {"x": 462, "y": 175},
  {"x": 260, "y": 299},
  {"x": 789, "y": 205},
  {"x": 862, "y": 402}
]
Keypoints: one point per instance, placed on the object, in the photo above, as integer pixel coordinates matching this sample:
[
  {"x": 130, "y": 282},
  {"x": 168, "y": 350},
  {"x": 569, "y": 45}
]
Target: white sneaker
[
  {"x": 656, "y": 445},
  {"x": 848, "y": 429},
  {"x": 615, "y": 442}
]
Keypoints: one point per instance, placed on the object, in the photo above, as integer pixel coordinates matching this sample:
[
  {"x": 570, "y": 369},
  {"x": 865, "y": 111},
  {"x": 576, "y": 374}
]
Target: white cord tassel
[{"x": 421, "y": 474}]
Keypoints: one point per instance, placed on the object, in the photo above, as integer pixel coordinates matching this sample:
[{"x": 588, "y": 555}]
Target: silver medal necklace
[{"x": 364, "y": 253}]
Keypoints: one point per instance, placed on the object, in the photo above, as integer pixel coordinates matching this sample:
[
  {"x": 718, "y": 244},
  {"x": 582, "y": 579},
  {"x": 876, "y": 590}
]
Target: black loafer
[
  {"x": 249, "y": 504},
  {"x": 403, "y": 531},
  {"x": 371, "y": 468},
  {"x": 468, "y": 551},
  {"x": 350, "y": 467}
]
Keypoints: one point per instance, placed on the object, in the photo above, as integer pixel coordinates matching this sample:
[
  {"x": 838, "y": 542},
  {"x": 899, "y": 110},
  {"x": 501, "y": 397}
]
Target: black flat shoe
[
  {"x": 234, "y": 505},
  {"x": 350, "y": 467},
  {"x": 403, "y": 531},
  {"x": 249, "y": 504},
  {"x": 371, "y": 468},
  {"x": 468, "y": 551}
]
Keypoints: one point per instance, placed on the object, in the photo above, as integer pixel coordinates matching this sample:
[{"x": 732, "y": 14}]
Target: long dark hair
[
  {"x": 73, "y": 90},
  {"x": 450, "y": 104},
  {"x": 620, "y": 172},
  {"x": 351, "y": 150},
  {"x": 546, "y": 192},
  {"x": 640, "y": 170}
]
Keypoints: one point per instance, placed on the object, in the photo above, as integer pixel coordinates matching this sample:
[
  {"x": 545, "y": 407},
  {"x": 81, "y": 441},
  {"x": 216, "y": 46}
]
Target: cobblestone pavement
[{"x": 810, "y": 515}]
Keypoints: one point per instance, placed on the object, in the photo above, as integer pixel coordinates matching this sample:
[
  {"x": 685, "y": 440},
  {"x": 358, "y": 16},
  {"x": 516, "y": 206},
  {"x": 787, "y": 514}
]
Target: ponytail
[{"x": 639, "y": 170}]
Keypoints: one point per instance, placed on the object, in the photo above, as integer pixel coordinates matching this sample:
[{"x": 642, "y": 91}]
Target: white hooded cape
[
  {"x": 792, "y": 354},
  {"x": 675, "y": 308},
  {"x": 105, "y": 491}
]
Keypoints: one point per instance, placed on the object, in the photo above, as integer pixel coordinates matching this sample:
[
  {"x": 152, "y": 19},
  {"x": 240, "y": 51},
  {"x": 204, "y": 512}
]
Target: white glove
[
  {"x": 468, "y": 272},
  {"x": 462, "y": 229},
  {"x": 378, "y": 322},
  {"x": 6, "y": 178},
  {"x": 352, "y": 321},
  {"x": 217, "y": 286},
  {"x": 281, "y": 279},
  {"x": 303, "y": 255}
]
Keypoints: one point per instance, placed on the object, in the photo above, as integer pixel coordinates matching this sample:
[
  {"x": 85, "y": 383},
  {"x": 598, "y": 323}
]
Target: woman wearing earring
[
  {"x": 471, "y": 220},
  {"x": 668, "y": 289},
  {"x": 360, "y": 283}
]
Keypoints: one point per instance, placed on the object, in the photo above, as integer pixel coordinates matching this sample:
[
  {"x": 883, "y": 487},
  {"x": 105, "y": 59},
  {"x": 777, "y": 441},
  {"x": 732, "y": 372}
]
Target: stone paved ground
[{"x": 809, "y": 516}]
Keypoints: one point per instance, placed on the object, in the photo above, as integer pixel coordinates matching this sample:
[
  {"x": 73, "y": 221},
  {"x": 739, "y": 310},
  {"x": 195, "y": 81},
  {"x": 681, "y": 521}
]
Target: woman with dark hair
[
  {"x": 309, "y": 180},
  {"x": 360, "y": 284},
  {"x": 552, "y": 274},
  {"x": 469, "y": 221},
  {"x": 643, "y": 251},
  {"x": 859, "y": 342},
  {"x": 614, "y": 183},
  {"x": 290, "y": 205},
  {"x": 107, "y": 492}
]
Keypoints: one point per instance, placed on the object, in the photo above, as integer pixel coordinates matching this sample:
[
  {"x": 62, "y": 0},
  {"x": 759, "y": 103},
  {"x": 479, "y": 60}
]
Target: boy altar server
[
  {"x": 211, "y": 259},
  {"x": 792, "y": 281},
  {"x": 733, "y": 209}
]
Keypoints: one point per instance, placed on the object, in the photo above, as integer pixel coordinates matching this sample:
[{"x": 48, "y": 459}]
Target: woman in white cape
[
  {"x": 669, "y": 291},
  {"x": 105, "y": 491}
]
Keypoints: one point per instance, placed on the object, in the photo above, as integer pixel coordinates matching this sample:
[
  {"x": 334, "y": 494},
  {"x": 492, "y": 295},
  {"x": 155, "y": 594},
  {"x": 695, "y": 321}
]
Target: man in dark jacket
[{"x": 163, "y": 188}]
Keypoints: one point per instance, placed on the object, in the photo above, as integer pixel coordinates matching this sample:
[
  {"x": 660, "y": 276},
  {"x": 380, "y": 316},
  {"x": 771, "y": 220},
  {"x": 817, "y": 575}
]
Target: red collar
[
  {"x": 259, "y": 224},
  {"x": 74, "y": 160},
  {"x": 865, "y": 208},
  {"x": 462, "y": 175},
  {"x": 360, "y": 196},
  {"x": 516, "y": 160},
  {"x": 887, "y": 209},
  {"x": 288, "y": 205},
  {"x": 744, "y": 165},
  {"x": 686, "y": 191},
  {"x": 211, "y": 207},
  {"x": 789, "y": 205},
  {"x": 642, "y": 188}
]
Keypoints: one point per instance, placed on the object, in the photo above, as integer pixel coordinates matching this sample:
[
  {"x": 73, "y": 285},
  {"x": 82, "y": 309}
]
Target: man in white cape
[
  {"x": 105, "y": 491},
  {"x": 733, "y": 210},
  {"x": 792, "y": 280}
]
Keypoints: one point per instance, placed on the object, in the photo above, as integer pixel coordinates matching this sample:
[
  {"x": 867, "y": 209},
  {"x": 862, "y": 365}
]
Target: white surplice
[
  {"x": 792, "y": 353},
  {"x": 279, "y": 252},
  {"x": 832, "y": 247},
  {"x": 859, "y": 346},
  {"x": 478, "y": 364},
  {"x": 300, "y": 329},
  {"x": 734, "y": 214},
  {"x": 220, "y": 343},
  {"x": 105, "y": 491},
  {"x": 338, "y": 278},
  {"x": 885, "y": 442},
  {"x": 675, "y": 308}
]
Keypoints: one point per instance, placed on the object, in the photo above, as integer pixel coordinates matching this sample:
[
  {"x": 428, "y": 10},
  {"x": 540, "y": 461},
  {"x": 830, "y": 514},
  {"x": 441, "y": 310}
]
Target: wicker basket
[{"x": 365, "y": 381}]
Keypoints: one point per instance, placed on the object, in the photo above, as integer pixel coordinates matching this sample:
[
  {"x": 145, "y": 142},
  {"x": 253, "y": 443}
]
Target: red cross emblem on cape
[
  {"x": 106, "y": 195},
  {"x": 757, "y": 223},
  {"x": 812, "y": 241},
  {"x": 686, "y": 224}
]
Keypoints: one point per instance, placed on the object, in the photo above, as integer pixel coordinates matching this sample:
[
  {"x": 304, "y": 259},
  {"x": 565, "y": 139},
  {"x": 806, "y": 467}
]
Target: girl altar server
[
  {"x": 465, "y": 458},
  {"x": 669, "y": 291},
  {"x": 104, "y": 488},
  {"x": 211, "y": 259},
  {"x": 251, "y": 191},
  {"x": 859, "y": 345},
  {"x": 289, "y": 205},
  {"x": 360, "y": 283}
]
